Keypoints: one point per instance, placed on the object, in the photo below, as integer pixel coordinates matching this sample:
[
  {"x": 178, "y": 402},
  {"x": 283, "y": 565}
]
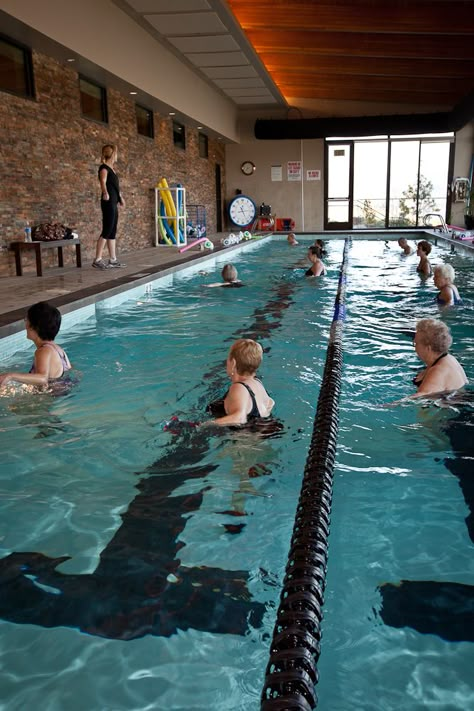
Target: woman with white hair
[
  {"x": 443, "y": 372},
  {"x": 444, "y": 281}
]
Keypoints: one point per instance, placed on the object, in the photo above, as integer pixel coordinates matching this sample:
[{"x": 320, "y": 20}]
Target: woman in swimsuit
[
  {"x": 423, "y": 249},
  {"x": 443, "y": 372},
  {"x": 246, "y": 398},
  {"x": 51, "y": 362},
  {"x": 317, "y": 267},
  {"x": 444, "y": 281}
]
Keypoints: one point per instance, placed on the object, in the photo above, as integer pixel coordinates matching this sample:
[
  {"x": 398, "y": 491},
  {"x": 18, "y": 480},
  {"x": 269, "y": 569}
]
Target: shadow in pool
[
  {"x": 445, "y": 609},
  {"x": 140, "y": 586}
]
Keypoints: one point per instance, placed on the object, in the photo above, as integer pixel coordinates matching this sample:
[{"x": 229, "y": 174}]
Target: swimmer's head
[
  {"x": 44, "y": 319},
  {"x": 245, "y": 355},
  {"x": 424, "y": 246},
  {"x": 229, "y": 273},
  {"x": 314, "y": 253},
  {"x": 402, "y": 242},
  {"x": 291, "y": 239}
]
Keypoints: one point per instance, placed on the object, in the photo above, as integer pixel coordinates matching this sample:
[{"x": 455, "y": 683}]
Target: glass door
[{"x": 339, "y": 171}]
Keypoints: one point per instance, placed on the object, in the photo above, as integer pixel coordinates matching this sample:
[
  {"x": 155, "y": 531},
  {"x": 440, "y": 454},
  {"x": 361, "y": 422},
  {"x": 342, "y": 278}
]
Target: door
[
  {"x": 218, "y": 199},
  {"x": 338, "y": 186}
]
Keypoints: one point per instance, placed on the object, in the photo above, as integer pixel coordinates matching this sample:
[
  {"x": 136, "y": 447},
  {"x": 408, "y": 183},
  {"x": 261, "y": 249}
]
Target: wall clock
[
  {"x": 247, "y": 167},
  {"x": 242, "y": 210}
]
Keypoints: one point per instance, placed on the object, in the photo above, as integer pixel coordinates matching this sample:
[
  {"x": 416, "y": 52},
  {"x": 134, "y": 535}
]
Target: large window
[
  {"x": 93, "y": 100},
  {"x": 16, "y": 69},
  {"x": 144, "y": 121},
  {"x": 179, "y": 135}
]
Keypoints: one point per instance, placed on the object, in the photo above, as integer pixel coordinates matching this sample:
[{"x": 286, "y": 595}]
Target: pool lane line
[{"x": 291, "y": 673}]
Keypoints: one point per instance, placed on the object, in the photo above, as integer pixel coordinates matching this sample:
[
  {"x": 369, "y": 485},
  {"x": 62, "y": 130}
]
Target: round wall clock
[
  {"x": 247, "y": 167},
  {"x": 242, "y": 210}
]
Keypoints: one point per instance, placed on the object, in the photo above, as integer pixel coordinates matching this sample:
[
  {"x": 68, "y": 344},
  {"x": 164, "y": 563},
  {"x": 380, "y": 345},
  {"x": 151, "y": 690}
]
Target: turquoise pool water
[{"x": 165, "y": 598}]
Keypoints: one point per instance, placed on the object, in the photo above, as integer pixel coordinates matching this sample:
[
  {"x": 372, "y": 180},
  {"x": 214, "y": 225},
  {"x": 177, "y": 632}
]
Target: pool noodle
[{"x": 197, "y": 241}]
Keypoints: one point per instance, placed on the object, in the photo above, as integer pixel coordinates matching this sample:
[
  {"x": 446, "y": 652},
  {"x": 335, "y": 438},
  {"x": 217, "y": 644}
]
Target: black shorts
[{"x": 109, "y": 219}]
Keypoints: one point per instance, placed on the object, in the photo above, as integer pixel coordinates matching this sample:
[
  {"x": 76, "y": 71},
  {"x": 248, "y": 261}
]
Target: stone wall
[{"x": 50, "y": 155}]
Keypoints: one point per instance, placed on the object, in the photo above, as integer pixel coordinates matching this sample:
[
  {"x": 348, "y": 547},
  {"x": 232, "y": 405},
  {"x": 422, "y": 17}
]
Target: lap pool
[{"x": 141, "y": 569}]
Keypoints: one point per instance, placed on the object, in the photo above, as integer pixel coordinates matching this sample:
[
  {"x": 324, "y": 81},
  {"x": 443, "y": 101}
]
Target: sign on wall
[
  {"x": 294, "y": 170},
  {"x": 276, "y": 173},
  {"x": 313, "y": 175}
]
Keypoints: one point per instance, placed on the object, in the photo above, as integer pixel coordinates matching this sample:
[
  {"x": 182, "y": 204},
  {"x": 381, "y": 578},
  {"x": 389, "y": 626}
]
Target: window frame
[
  {"x": 151, "y": 122},
  {"x": 27, "y": 69},
  {"x": 103, "y": 94},
  {"x": 182, "y": 143}
]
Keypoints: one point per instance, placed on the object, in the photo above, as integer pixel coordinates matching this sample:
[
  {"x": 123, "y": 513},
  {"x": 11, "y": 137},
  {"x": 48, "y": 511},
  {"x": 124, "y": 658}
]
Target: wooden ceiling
[{"x": 417, "y": 55}]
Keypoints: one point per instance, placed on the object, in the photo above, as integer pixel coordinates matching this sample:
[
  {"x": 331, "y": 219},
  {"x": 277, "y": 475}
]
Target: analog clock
[
  {"x": 247, "y": 167},
  {"x": 242, "y": 210}
]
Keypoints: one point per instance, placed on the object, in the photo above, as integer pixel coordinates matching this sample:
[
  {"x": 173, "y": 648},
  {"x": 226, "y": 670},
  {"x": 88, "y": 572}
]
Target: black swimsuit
[
  {"x": 254, "y": 412},
  {"x": 417, "y": 381}
]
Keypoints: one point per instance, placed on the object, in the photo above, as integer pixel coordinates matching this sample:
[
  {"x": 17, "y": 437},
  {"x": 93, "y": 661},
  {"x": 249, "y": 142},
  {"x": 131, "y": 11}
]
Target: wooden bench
[{"x": 19, "y": 247}]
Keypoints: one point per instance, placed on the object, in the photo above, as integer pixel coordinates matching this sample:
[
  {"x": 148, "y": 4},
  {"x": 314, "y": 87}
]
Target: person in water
[
  {"x": 291, "y": 239},
  {"x": 317, "y": 267},
  {"x": 230, "y": 276},
  {"x": 423, "y": 249},
  {"x": 444, "y": 281},
  {"x": 322, "y": 247},
  {"x": 246, "y": 399},
  {"x": 407, "y": 250},
  {"x": 443, "y": 372},
  {"x": 50, "y": 362}
]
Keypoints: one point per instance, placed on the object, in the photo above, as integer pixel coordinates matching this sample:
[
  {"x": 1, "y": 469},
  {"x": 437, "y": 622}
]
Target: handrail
[{"x": 443, "y": 227}]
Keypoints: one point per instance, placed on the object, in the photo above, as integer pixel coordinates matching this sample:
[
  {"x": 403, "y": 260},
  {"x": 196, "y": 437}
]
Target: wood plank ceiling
[{"x": 417, "y": 55}]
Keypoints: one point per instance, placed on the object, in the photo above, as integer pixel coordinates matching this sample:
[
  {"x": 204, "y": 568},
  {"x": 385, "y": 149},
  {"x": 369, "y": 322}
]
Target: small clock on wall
[
  {"x": 247, "y": 167},
  {"x": 242, "y": 211}
]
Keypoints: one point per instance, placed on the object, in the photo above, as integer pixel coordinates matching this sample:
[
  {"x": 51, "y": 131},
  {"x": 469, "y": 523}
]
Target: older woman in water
[
  {"x": 246, "y": 399},
  {"x": 444, "y": 281},
  {"x": 443, "y": 373}
]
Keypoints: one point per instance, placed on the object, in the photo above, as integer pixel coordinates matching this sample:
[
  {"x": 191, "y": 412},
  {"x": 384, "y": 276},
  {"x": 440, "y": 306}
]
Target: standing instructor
[{"x": 109, "y": 201}]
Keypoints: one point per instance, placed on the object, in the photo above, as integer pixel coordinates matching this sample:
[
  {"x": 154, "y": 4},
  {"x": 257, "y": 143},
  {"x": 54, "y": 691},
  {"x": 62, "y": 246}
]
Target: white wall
[
  {"x": 462, "y": 162},
  {"x": 301, "y": 200}
]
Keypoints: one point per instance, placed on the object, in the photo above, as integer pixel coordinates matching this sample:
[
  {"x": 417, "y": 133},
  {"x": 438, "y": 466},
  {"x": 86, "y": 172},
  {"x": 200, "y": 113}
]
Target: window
[
  {"x": 203, "y": 145},
  {"x": 93, "y": 100},
  {"x": 16, "y": 69},
  {"x": 179, "y": 135},
  {"x": 144, "y": 121}
]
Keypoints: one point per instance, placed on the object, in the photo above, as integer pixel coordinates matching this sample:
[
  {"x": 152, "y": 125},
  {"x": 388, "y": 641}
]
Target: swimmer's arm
[
  {"x": 432, "y": 383},
  {"x": 42, "y": 368},
  {"x": 235, "y": 405},
  {"x": 447, "y": 295}
]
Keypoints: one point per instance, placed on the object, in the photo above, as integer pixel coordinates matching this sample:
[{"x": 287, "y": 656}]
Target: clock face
[
  {"x": 242, "y": 210},
  {"x": 247, "y": 167}
]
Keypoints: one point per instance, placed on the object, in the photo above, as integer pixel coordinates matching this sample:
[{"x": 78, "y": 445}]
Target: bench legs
[
  {"x": 78, "y": 256},
  {"x": 39, "y": 263},
  {"x": 60, "y": 257},
  {"x": 19, "y": 268}
]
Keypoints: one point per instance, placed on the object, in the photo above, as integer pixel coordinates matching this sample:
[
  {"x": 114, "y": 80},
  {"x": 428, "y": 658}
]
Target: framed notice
[
  {"x": 294, "y": 170},
  {"x": 276, "y": 174},
  {"x": 313, "y": 175}
]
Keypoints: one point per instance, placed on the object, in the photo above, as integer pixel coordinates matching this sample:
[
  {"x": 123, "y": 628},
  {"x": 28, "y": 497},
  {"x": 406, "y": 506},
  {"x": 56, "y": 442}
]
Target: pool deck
[{"x": 69, "y": 287}]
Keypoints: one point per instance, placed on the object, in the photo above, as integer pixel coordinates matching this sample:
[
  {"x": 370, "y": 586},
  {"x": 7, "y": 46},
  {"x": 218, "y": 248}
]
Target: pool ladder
[{"x": 442, "y": 227}]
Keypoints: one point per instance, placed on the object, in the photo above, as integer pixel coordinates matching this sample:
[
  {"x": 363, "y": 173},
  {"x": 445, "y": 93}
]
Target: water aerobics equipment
[
  {"x": 206, "y": 244},
  {"x": 170, "y": 214}
]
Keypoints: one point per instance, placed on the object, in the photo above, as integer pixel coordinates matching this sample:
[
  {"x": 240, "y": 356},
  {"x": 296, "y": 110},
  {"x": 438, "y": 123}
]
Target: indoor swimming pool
[{"x": 140, "y": 567}]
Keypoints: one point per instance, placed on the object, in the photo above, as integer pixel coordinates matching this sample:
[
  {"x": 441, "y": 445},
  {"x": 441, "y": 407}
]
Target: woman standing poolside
[
  {"x": 111, "y": 197},
  {"x": 443, "y": 372}
]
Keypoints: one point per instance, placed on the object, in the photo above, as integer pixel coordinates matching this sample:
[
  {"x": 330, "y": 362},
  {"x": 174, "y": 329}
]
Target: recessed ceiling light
[
  {"x": 172, "y": 113},
  {"x": 134, "y": 93},
  {"x": 70, "y": 60},
  {"x": 199, "y": 128}
]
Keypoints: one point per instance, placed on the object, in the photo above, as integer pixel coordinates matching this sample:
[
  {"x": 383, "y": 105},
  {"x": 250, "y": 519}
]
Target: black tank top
[{"x": 112, "y": 183}]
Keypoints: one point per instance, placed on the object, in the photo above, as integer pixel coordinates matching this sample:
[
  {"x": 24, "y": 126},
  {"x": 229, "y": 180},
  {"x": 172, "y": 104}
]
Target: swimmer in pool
[
  {"x": 423, "y": 249},
  {"x": 230, "y": 276},
  {"x": 317, "y": 267},
  {"x": 444, "y": 281},
  {"x": 246, "y": 398},
  {"x": 443, "y": 373},
  {"x": 407, "y": 250},
  {"x": 291, "y": 239},
  {"x": 50, "y": 363}
]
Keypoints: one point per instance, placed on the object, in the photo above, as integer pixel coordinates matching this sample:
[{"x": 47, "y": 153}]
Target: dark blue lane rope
[{"x": 291, "y": 673}]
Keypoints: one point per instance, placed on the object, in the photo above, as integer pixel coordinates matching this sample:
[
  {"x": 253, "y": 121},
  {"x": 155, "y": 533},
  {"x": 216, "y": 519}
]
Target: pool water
[{"x": 141, "y": 568}]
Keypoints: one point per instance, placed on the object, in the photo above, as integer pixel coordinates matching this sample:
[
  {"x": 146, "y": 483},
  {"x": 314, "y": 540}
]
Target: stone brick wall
[{"x": 50, "y": 155}]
